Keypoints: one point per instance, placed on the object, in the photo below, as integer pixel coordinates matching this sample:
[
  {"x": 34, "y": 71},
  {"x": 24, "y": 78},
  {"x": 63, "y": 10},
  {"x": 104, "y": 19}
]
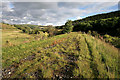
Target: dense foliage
[
  {"x": 100, "y": 16},
  {"x": 113, "y": 40},
  {"x": 31, "y": 29},
  {"x": 109, "y": 25},
  {"x": 28, "y": 29}
]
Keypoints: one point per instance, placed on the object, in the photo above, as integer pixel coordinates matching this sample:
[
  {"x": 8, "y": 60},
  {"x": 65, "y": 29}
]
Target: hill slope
[
  {"x": 101, "y": 16},
  {"x": 108, "y": 23},
  {"x": 73, "y": 55},
  {"x": 12, "y": 36}
]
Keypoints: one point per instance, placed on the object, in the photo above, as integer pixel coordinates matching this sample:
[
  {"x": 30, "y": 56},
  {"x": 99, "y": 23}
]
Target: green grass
[
  {"x": 68, "y": 55},
  {"x": 74, "y": 55},
  {"x": 21, "y": 51},
  {"x": 12, "y": 36}
]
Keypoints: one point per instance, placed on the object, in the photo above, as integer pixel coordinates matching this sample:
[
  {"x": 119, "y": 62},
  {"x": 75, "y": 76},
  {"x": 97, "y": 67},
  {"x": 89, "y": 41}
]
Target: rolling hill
[
  {"x": 106, "y": 23},
  {"x": 73, "y": 55},
  {"x": 100, "y": 16},
  {"x": 11, "y": 36}
]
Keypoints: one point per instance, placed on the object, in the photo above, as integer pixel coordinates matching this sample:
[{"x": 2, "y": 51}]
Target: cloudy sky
[{"x": 52, "y": 13}]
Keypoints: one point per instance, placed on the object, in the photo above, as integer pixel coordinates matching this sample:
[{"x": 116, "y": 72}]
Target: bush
[
  {"x": 89, "y": 32},
  {"x": 113, "y": 40},
  {"x": 51, "y": 31},
  {"x": 41, "y": 35},
  {"x": 106, "y": 36},
  {"x": 94, "y": 33}
]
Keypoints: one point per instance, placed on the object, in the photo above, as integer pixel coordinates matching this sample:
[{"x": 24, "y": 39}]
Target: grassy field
[
  {"x": 12, "y": 36},
  {"x": 73, "y": 55}
]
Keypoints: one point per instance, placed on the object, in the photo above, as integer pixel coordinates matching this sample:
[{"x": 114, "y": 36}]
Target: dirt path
[{"x": 93, "y": 64}]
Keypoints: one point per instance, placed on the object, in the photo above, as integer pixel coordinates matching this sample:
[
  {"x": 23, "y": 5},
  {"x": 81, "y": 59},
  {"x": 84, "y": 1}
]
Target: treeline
[
  {"x": 100, "y": 16},
  {"x": 34, "y": 29},
  {"x": 27, "y": 29},
  {"x": 108, "y": 23},
  {"x": 109, "y": 26}
]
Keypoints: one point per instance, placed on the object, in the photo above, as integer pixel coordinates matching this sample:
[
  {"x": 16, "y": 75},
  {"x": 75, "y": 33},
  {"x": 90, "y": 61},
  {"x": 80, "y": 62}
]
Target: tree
[{"x": 68, "y": 27}]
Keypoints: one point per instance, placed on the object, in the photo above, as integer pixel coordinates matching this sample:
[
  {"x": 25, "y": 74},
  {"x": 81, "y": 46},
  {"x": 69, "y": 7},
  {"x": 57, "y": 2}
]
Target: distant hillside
[
  {"x": 100, "y": 16},
  {"x": 11, "y": 36},
  {"x": 7, "y": 26},
  {"x": 107, "y": 23}
]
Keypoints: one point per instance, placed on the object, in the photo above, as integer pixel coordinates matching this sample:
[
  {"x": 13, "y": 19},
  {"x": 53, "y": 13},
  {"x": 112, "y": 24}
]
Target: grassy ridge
[
  {"x": 21, "y": 51},
  {"x": 104, "y": 60},
  {"x": 65, "y": 56}
]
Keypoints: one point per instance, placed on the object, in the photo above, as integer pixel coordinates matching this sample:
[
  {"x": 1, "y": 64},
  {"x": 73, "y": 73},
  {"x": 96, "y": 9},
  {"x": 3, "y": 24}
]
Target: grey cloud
[
  {"x": 73, "y": 4},
  {"x": 35, "y": 5},
  {"x": 52, "y": 12}
]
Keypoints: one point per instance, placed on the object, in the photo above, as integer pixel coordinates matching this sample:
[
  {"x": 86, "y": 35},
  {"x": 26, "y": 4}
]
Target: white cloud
[
  {"x": 11, "y": 19},
  {"x": 11, "y": 10},
  {"x": 39, "y": 24},
  {"x": 79, "y": 17},
  {"x": 51, "y": 13},
  {"x": 28, "y": 22},
  {"x": 22, "y": 23},
  {"x": 48, "y": 24},
  {"x": 24, "y": 17}
]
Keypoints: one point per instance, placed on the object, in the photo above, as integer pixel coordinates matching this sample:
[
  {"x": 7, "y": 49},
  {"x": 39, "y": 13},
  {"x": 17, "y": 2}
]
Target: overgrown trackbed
[{"x": 71, "y": 55}]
